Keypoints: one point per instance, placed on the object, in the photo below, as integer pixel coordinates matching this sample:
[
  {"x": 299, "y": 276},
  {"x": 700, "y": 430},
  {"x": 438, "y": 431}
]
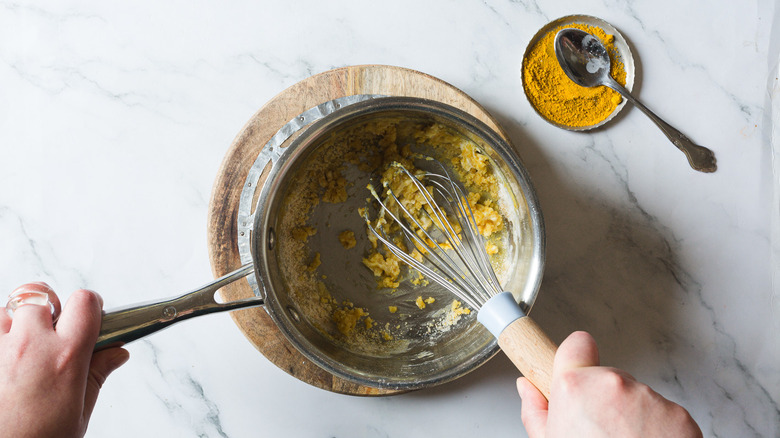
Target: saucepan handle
[{"x": 127, "y": 324}]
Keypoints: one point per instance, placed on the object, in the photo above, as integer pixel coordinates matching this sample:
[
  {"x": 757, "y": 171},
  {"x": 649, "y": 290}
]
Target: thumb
[
  {"x": 576, "y": 351},
  {"x": 103, "y": 363}
]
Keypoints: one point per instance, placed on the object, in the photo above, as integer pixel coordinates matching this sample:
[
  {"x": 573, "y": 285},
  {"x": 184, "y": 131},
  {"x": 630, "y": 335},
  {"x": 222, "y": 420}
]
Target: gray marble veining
[{"x": 114, "y": 120}]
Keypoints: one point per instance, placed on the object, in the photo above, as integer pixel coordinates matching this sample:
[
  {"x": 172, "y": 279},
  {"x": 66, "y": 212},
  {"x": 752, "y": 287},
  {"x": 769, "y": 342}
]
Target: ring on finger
[{"x": 26, "y": 298}]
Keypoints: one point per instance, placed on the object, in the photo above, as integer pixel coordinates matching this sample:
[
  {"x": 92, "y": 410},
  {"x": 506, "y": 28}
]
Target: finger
[
  {"x": 5, "y": 321},
  {"x": 31, "y": 312},
  {"x": 534, "y": 410},
  {"x": 102, "y": 365},
  {"x": 80, "y": 321},
  {"x": 577, "y": 351}
]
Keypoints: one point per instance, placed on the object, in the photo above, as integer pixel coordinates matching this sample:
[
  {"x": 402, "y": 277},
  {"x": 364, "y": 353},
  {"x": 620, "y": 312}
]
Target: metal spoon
[{"x": 586, "y": 62}]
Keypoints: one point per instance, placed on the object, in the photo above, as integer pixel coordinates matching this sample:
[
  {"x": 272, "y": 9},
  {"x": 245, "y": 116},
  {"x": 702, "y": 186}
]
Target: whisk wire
[
  {"x": 476, "y": 241},
  {"x": 384, "y": 239},
  {"x": 463, "y": 248},
  {"x": 432, "y": 252},
  {"x": 443, "y": 224},
  {"x": 474, "y": 245},
  {"x": 471, "y": 276}
]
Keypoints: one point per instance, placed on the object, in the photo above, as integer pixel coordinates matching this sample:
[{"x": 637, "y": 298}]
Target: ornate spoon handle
[{"x": 699, "y": 157}]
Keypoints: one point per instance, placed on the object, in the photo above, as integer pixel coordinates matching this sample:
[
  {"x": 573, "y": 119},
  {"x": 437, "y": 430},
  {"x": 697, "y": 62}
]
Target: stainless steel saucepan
[{"x": 426, "y": 359}]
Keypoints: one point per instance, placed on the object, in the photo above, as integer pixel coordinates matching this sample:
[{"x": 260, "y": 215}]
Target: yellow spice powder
[
  {"x": 556, "y": 97},
  {"x": 347, "y": 239}
]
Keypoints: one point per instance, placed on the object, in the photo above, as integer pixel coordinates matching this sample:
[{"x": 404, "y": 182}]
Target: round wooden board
[{"x": 255, "y": 323}]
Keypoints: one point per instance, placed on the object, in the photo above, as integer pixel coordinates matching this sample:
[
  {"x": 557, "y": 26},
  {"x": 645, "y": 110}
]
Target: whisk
[{"x": 446, "y": 236}]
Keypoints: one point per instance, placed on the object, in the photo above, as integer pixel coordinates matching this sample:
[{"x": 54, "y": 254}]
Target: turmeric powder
[{"x": 556, "y": 97}]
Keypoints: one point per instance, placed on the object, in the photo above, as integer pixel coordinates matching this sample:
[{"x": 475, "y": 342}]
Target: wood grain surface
[
  {"x": 255, "y": 323},
  {"x": 532, "y": 352}
]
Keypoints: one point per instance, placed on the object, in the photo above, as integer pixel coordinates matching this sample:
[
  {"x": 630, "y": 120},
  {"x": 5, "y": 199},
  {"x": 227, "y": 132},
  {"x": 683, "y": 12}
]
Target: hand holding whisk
[{"x": 444, "y": 233}]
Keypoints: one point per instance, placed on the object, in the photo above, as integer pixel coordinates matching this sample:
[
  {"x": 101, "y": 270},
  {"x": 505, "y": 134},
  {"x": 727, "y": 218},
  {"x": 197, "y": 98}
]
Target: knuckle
[
  {"x": 88, "y": 299},
  {"x": 66, "y": 358},
  {"x": 615, "y": 386},
  {"x": 96, "y": 379},
  {"x": 614, "y": 381},
  {"x": 679, "y": 414},
  {"x": 85, "y": 295},
  {"x": 569, "y": 382},
  {"x": 17, "y": 349}
]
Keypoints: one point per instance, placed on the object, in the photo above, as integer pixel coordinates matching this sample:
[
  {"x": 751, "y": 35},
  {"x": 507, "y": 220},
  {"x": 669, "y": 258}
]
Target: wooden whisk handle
[
  {"x": 532, "y": 352},
  {"x": 521, "y": 338}
]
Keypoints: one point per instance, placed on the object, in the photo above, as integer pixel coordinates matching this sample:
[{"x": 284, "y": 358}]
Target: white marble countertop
[{"x": 114, "y": 119}]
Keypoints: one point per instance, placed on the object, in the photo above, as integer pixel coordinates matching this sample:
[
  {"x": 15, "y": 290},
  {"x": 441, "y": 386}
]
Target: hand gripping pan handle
[{"x": 127, "y": 324}]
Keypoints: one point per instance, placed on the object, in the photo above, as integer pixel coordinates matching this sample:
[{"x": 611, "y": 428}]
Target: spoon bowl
[
  {"x": 585, "y": 61},
  {"x": 583, "y": 58}
]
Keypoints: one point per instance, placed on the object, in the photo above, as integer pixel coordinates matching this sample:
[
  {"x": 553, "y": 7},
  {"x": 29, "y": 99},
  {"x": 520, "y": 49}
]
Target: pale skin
[
  {"x": 49, "y": 376},
  {"x": 50, "y": 379},
  {"x": 588, "y": 400}
]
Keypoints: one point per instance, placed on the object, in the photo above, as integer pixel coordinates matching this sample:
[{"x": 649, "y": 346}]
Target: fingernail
[
  {"x": 95, "y": 294},
  {"x": 99, "y": 297},
  {"x": 521, "y": 387}
]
